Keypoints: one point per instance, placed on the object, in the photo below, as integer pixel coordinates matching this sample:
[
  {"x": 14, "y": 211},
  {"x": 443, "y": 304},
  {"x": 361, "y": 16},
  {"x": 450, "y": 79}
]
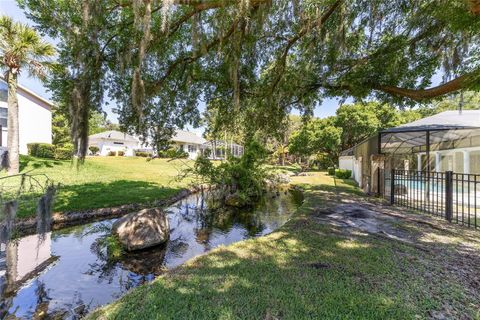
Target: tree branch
[
  {"x": 283, "y": 58},
  {"x": 462, "y": 82}
]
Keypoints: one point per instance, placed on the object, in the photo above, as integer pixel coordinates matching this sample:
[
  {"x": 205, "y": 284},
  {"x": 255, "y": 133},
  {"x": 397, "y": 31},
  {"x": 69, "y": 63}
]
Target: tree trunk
[{"x": 13, "y": 139}]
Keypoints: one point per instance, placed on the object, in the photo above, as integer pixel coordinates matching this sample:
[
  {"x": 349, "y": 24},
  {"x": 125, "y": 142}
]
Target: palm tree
[{"x": 20, "y": 48}]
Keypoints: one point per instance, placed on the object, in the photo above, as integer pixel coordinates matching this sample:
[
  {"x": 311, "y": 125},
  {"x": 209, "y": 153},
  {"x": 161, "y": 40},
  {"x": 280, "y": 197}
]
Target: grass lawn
[
  {"x": 312, "y": 270},
  {"x": 103, "y": 181}
]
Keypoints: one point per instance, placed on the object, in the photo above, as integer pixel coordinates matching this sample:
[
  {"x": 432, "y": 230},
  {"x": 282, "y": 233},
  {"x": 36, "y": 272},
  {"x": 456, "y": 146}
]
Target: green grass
[
  {"x": 103, "y": 181},
  {"x": 305, "y": 270}
]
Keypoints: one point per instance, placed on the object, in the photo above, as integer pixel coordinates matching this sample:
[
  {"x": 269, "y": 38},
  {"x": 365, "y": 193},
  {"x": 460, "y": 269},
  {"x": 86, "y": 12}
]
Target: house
[
  {"x": 35, "y": 117},
  {"x": 448, "y": 141},
  {"x": 114, "y": 142},
  {"x": 188, "y": 142}
]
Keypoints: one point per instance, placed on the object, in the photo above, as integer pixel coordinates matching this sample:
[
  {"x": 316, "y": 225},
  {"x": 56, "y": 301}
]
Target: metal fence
[{"x": 453, "y": 196}]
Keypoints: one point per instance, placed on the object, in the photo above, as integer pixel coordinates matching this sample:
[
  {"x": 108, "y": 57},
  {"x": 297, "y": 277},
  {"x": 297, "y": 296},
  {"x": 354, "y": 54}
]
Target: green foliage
[
  {"x": 331, "y": 171},
  {"x": 111, "y": 153},
  {"x": 120, "y": 153},
  {"x": 173, "y": 153},
  {"x": 64, "y": 153},
  {"x": 41, "y": 150},
  {"x": 94, "y": 149},
  {"x": 60, "y": 128},
  {"x": 143, "y": 154},
  {"x": 343, "y": 173},
  {"x": 226, "y": 56},
  {"x": 245, "y": 175}
]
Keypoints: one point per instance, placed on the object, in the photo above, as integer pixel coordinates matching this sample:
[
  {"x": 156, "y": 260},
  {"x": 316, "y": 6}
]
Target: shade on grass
[
  {"x": 107, "y": 181},
  {"x": 305, "y": 270}
]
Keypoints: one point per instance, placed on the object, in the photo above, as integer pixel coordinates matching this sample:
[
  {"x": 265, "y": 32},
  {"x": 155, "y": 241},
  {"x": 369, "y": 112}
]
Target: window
[
  {"x": 3, "y": 91},
  {"x": 119, "y": 143},
  {"x": 3, "y": 117},
  {"x": 192, "y": 148}
]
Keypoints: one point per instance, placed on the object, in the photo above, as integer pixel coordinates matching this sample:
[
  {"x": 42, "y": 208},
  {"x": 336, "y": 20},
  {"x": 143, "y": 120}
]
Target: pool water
[{"x": 66, "y": 273}]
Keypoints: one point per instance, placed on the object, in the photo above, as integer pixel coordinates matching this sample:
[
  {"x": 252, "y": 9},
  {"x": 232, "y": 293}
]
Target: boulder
[
  {"x": 235, "y": 200},
  {"x": 143, "y": 229}
]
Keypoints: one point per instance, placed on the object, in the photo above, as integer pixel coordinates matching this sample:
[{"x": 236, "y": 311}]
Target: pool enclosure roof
[{"x": 442, "y": 131}]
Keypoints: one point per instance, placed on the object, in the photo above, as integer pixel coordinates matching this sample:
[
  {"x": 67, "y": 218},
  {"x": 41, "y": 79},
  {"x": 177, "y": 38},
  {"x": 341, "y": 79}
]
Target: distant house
[
  {"x": 189, "y": 142},
  {"x": 35, "y": 117},
  {"x": 114, "y": 141}
]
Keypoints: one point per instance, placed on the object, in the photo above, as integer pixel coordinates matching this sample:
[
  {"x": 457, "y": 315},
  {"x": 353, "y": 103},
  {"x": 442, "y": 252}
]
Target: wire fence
[{"x": 453, "y": 196}]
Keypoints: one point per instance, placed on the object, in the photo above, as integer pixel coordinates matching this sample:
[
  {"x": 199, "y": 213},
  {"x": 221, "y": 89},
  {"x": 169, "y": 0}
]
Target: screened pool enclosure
[{"x": 432, "y": 165}]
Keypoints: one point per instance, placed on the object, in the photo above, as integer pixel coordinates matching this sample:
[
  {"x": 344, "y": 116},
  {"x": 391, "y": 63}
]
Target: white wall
[
  {"x": 184, "y": 146},
  {"x": 106, "y": 146},
  {"x": 35, "y": 121},
  {"x": 346, "y": 163}
]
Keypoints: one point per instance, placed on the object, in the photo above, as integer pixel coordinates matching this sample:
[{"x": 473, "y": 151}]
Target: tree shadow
[
  {"x": 305, "y": 270},
  {"x": 109, "y": 194},
  {"x": 37, "y": 163}
]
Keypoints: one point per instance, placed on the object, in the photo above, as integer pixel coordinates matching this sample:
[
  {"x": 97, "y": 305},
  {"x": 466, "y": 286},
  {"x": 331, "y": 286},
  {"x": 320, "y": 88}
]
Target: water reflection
[{"x": 68, "y": 272}]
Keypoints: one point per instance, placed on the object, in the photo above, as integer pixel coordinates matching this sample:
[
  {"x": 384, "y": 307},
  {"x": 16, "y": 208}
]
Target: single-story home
[
  {"x": 114, "y": 141},
  {"x": 35, "y": 117},
  {"x": 189, "y": 142}
]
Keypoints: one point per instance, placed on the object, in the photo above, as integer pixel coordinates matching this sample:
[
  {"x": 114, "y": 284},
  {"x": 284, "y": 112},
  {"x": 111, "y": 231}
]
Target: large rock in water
[{"x": 143, "y": 229}]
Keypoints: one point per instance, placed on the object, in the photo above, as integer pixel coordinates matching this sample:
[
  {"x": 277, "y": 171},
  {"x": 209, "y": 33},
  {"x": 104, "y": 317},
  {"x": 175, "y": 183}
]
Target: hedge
[
  {"x": 41, "y": 150},
  {"x": 64, "y": 153},
  {"x": 343, "y": 173},
  {"x": 143, "y": 154}
]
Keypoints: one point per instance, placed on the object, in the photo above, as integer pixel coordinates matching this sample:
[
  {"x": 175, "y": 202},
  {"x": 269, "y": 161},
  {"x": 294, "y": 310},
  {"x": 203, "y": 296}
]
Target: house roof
[
  {"x": 188, "y": 137},
  {"x": 30, "y": 93},
  {"x": 448, "y": 126},
  {"x": 347, "y": 153},
  {"x": 113, "y": 135},
  {"x": 447, "y": 120}
]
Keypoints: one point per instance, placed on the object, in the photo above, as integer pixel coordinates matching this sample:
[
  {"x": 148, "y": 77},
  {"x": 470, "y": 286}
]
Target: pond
[{"x": 66, "y": 273}]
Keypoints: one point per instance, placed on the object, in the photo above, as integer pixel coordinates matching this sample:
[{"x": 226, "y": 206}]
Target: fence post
[
  {"x": 392, "y": 186},
  {"x": 449, "y": 195}
]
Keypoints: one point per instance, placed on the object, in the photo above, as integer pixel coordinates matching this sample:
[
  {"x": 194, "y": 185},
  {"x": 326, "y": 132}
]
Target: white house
[
  {"x": 114, "y": 141},
  {"x": 35, "y": 117},
  {"x": 189, "y": 142}
]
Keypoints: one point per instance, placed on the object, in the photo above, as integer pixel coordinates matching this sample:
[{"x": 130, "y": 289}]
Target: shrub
[
  {"x": 143, "y": 154},
  {"x": 173, "y": 153},
  {"x": 120, "y": 153},
  {"x": 94, "y": 149},
  {"x": 343, "y": 173},
  {"x": 64, "y": 153},
  {"x": 111, "y": 153},
  {"x": 149, "y": 159},
  {"x": 331, "y": 171},
  {"x": 41, "y": 150}
]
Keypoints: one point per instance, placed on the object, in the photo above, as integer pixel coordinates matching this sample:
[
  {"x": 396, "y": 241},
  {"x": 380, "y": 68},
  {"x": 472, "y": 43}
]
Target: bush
[
  {"x": 94, "y": 149},
  {"x": 343, "y": 173},
  {"x": 143, "y": 154},
  {"x": 331, "y": 171},
  {"x": 64, "y": 153},
  {"x": 173, "y": 153},
  {"x": 111, "y": 153},
  {"x": 41, "y": 150},
  {"x": 120, "y": 153}
]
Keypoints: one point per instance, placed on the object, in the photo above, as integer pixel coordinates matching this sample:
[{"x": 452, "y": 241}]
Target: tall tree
[
  {"x": 257, "y": 59},
  {"x": 21, "y": 48}
]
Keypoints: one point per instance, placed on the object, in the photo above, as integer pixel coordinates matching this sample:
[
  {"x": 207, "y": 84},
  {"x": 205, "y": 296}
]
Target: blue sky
[{"x": 9, "y": 7}]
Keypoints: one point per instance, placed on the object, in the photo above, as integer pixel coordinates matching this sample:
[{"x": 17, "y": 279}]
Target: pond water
[{"x": 66, "y": 273}]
